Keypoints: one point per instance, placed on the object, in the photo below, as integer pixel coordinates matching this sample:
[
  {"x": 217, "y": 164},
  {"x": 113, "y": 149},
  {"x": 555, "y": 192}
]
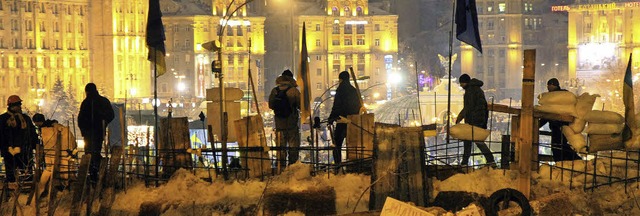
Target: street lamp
[{"x": 217, "y": 46}]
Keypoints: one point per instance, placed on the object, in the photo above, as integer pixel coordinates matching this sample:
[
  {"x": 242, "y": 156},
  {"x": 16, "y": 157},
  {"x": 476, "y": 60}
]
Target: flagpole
[
  {"x": 453, "y": 15},
  {"x": 155, "y": 107}
]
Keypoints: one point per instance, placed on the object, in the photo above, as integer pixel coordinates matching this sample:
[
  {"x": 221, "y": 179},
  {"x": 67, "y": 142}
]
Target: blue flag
[
  {"x": 155, "y": 37},
  {"x": 629, "y": 107},
  {"x": 467, "y": 23}
]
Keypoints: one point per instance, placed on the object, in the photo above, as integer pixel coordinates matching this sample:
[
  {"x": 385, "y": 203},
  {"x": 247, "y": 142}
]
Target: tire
[{"x": 508, "y": 194}]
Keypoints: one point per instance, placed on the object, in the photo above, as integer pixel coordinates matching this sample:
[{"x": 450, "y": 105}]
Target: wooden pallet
[
  {"x": 80, "y": 185},
  {"x": 108, "y": 193}
]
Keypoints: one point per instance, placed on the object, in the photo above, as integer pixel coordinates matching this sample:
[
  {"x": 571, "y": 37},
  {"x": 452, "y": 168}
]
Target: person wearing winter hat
[
  {"x": 17, "y": 138},
  {"x": 560, "y": 148},
  {"x": 345, "y": 103},
  {"x": 474, "y": 113},
  {"x": 40, "y": 121},
  {"x": 284, "y": 100}
]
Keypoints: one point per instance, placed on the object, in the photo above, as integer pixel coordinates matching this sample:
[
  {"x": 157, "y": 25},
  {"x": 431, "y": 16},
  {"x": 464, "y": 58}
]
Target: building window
[
  {"x": 376, "y": 27},
  {"x": 359, "y": 11},
  {"x": 319, "y": 86},
  {"x": 336, "y": 68},
  {"x": 490, "y": 24},
  {"x": 239, "y": 31},
  {"x": 348, "y": 29},
  {"x": 360, "y": 29},
  {"x": 502, "y": 7},
  {"x": 376, "y": 42},
  {"x": 360, "y": 41},
  {"x": 336, "y": 56},
  {"x": 361, "y": 69},
  {"x": 317, "y": 42},
  {"x": 489, "y": 6},
  {"x": 317, "y": 27},
  {"x": 318, "y": 72},
  {"x": 335, "y": 42},
  {"x": 318, "y": 57},
  {"x": 336, "y": 29},
  {"x": 230, "y": 32},
  {"x": 347, "y": 41},
  {"x": 347, "y": 11},
  {"x": 335, "y": 12}
]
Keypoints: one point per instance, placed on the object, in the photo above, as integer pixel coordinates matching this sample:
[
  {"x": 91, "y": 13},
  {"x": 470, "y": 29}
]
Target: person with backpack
[{"x": 284, "y": 100}]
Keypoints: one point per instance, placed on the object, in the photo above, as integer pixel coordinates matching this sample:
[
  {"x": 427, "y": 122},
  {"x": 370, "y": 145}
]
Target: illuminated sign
[
  {"x": 607, "y": 6},
  {"x": 236, "y": 22},
  {"x": 356, "y": 22}
]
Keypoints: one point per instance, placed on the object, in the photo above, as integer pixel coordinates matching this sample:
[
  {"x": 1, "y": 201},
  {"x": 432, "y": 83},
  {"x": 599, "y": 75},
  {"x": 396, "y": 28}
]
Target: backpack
[{"x": 280, "y": 104}]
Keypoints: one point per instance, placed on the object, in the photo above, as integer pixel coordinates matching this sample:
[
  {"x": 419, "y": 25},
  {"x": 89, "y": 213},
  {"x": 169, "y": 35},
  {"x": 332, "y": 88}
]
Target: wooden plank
[
  {"x": 503, "y": 109},
  {"x": 173, "y": 143},
  {"x": 251, "y": 134},
  {"x": 79, "y": 186},
  {"x": 108, "y": 194},
  {"x": 398, "y": 169},
  {"x": 535, "y": 140},
  {"x": 360, "y": 136},
  {"x": 526, "y": 123},
  {"x": 55, "y": 177},
  {"x": 515, "y": 134},
  {"x": 102, "y": 170}
]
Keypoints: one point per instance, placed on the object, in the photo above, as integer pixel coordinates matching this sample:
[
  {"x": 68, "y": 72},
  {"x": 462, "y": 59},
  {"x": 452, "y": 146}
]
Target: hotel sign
[{"x": 607, "y": 6}]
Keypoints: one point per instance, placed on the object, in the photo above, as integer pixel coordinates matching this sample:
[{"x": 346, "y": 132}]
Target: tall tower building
[
  {"x": 119, "y": 65},
  {"x": 42, "y": 42},
  {"x": 506, "y": 28},
  {"x": 347, "y": 34}
]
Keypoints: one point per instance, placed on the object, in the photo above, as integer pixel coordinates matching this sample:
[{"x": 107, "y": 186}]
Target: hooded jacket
[
  {"x": 93, "y": 111},
  {"x": 293, "y": 95},
  {"x": 475, "y": 110}
]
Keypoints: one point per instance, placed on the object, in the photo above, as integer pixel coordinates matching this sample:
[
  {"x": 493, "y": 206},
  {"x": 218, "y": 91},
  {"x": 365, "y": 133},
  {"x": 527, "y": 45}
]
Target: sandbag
[
  {"x": 468, "y": 132},
  {"x": 557, "y": 98},
  {"x": 597, "y": 116},
  {"x": 49, "y": 137},
  {"x": 578, "y": 125},
  {"x": 600, "y": 128},
  {"x": 567, "y": 109},
  {"x": 584, "y": 103},
  {"x": 603, "y": 142},
  {"x": 576, "y": 140}
]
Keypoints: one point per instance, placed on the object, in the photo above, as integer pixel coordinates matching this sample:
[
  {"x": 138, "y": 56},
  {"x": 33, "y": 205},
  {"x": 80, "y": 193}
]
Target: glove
[
  {"x": 14, "y": 150},
  {"x": 343, "y": 120}
]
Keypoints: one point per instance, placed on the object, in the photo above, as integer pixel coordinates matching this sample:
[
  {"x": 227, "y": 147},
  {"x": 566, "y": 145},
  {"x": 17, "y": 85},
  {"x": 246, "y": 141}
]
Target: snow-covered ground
[{"x": 187, "y": 194}]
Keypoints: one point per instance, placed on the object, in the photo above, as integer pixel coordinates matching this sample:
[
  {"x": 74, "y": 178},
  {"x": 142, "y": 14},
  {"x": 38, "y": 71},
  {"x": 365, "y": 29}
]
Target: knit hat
[
  {"x": 553, "y": 81},
  {"x": 464, "y": 78},
  {"x": 38, "y": 117}
]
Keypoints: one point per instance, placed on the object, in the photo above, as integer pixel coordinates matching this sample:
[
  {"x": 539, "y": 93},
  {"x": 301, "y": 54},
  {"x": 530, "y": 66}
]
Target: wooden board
[
  {"x": 55, "y": 177},
  {"x": 360, "y": 136},
  {"x": 108, "y": 194},
  {"x": 98, "y": 187},
  {"x": 254, "y": 138},
  {"x": 397, "y": 165},
  {"x": 80, "y": 185},
  {"x": 173, "y": 144}
]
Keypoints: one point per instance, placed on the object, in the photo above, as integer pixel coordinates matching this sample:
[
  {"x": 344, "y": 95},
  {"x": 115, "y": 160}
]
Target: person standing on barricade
[
  {"x": 284, "y": 100},
  {"x": 18, "y": 138},
  {"x": 95, "y": 114},
  {"x": 345, "y": 103}
]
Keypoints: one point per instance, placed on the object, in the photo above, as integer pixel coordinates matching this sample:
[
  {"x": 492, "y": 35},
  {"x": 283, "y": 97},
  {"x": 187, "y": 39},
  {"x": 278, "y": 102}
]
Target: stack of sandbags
[
  {"x": 67, "y": 145},
  {"x": 469, "y": 132},
  {"x": 604, "y": 128},
  {"x": 584, "y": 104},
  {"x": 557, "y": 102},
  {"x": 576, "y": 140}
]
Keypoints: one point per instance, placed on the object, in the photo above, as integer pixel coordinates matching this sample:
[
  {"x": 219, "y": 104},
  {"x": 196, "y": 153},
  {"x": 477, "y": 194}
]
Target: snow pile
[
  {"x": 482, "y": 181},
  {"x": 186, "y": 194}
]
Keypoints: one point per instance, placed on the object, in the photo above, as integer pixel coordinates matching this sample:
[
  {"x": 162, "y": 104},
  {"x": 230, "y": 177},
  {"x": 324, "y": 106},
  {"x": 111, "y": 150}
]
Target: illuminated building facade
[
  {"x": 602, "y": 34},
  {"x": 189, "y": 24},
  {"x": 40, "y": 42},
  {"x": 119, "y": 65},
  {"x": 350, "y": 34},
  {"x": 506, "y": 28}
]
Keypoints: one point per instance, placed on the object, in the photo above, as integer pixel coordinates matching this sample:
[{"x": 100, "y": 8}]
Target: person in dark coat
[
  {"x": 474, "y": 113},
  {"x": 560, "y": 149},
  {"x": 287, "y": 127},
  {"x": 40, "y": 121},
  {"x": 345, "y": 103},
  {"x": 95, "y": 114},
  {"x": 18, "y": 138}
]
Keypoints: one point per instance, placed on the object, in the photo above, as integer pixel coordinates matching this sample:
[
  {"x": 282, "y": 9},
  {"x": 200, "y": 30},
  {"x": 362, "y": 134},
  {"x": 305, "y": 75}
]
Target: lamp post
[{"x": 223, "y": 109}]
